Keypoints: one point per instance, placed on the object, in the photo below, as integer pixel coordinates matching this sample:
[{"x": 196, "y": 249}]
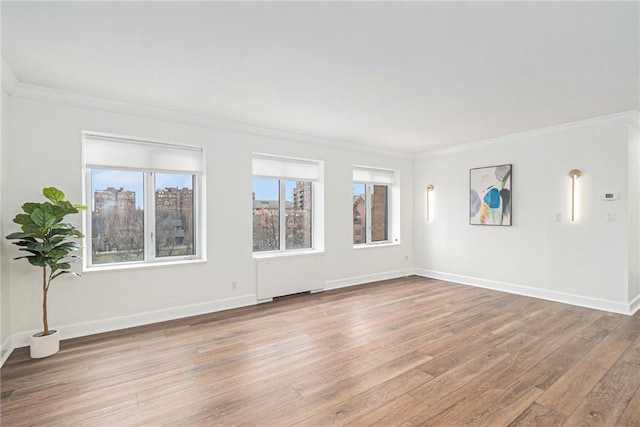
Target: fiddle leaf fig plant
[{"x": 48, "y": 240}]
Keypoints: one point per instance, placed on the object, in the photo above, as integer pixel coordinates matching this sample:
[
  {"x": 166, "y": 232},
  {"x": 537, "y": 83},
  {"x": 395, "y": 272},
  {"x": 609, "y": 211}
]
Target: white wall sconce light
[
  {"x": 429, "y": 190},
  {"x": 574, "y": 174}
]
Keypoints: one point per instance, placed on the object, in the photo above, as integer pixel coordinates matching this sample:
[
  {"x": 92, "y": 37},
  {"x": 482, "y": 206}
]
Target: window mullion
[
  {"x": 149, "y": 216},
  {"x": 282, "y": 217},
  {"x": 196, "y": 214},
  {"x": 368, "y": 218},
  {"x": 87, "y": 218},
  {"x": 387, "y": 205}
]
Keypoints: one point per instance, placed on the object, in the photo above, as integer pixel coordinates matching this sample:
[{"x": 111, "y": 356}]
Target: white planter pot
[{"x": 45, "y": 345}]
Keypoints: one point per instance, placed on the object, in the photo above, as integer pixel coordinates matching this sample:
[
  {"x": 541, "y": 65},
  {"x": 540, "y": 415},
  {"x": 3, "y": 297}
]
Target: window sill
[
  {"x": 267, "y": 255},
  {"x": 376, "y": 245},
  {"x": 142, "y": 265}
]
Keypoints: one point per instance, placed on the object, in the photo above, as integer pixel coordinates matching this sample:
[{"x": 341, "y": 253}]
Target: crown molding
[
  {"x": 9, "y": 80},
  {"x": 630, "y": 116},
  {"x": 635, "y": 120},
  {"x": 13, "y": 87}
]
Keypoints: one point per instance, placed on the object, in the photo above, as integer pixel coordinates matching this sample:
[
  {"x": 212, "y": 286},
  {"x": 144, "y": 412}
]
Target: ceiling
[{"x": 408, "y": 77}]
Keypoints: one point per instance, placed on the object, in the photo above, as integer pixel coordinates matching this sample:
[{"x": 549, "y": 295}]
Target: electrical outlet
[{"x": 234, "y": 286}]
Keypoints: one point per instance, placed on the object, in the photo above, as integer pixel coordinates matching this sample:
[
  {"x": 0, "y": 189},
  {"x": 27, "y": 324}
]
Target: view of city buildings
[
  {"x": 298, "y": 216},
  {"x": 359, "y": 219},
  {"x": 117, "y": 226},
  {"x": 174, "y": 221},
  {"x": 379, "y": 213}
]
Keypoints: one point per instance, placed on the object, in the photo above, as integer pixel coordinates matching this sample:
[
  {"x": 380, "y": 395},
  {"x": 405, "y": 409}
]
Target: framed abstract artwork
[{"x": 490, "y": 195}]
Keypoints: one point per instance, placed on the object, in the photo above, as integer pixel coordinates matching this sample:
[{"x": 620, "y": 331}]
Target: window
[
  {"x": 372, "y": 195},
  {"x": 145, "y": 201},
  {"x": 286, "y": 204}
]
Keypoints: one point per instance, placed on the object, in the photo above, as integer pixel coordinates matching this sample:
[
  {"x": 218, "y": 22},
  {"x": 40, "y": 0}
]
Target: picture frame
[{"x": 491, "y": 195}]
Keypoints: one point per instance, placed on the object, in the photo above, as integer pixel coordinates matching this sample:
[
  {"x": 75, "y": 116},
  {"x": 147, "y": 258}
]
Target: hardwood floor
[{"x": 405, "y": 352}]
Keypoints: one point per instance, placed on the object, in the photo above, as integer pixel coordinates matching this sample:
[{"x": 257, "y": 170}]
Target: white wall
[
  {"x": 585, "y": 262},
  {"x": 590, "y": 262},
  {"x": 5, "y": 318},
  {"x": 634, "y": 211},
  {"x": 48, "y": 135}
]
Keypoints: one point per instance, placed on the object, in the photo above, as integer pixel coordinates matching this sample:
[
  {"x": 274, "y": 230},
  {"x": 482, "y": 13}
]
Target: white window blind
[
  {"x": 372, "y": 175},
  {"x": 122, "y": 153},
  {"x": 285, "y": 167}
]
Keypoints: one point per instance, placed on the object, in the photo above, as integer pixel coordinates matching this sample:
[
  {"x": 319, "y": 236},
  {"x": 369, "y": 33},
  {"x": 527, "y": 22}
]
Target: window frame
[
  {"x": 150, "y": 258},
  {"x": 378, "y": 177},
  {"x": 317, "y": 204},
  {"x": 368, "y": 207},
  {"x": 282, "y": 217}
]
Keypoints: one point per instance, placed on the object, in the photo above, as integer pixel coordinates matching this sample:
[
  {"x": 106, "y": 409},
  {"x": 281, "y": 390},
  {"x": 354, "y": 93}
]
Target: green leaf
[
  {"x": 59, "y": 273},
  {"x": 57, "y": 255},
  {"x": 19, "y": 235},
  {"x": 29, "y": 207},
  {"x": 67, "y": 247},
  {"x": 39, "y": 246},
  {"x": 43, "y": 218},
  {"x": 46, "y": 239},
  {"x": 56, "y": 239},
  {"x": 51, "y": 262},
  {"x": 53, "y": 194},
  {"x": 54, "y": 210},
  {"x": 67, "y": 207},
  {"x": 63, "y": 266},
  {"x": 25, "y": 242},
  {"x": 33, "y": 230},
  {"x": 59, "y": 212},
  {"x": 63, "y": 229},
  {"x": 23, "y": 219},
  {"x": 31, "y": 251},
  {"x": 38, "y": 261},
  {"x": 78, "y": 234}
]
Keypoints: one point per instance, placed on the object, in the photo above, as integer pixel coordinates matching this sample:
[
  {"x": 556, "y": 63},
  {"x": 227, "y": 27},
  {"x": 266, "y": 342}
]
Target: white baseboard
[
  {"x": 367, "y": 278},
  {"x": 21, "y": 339},
  {"x": 634, "y": 305},
  {"x": 6, "y": 350},
  {"x": 578, "y": 300}
]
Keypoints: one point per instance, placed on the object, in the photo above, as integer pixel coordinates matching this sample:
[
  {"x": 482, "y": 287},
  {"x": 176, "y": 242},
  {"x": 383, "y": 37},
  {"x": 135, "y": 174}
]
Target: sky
[{"x": 267, "y": 189}]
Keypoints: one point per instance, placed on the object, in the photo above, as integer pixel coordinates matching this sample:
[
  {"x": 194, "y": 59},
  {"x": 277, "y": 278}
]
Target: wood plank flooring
[{"x": 406, "y": 352}]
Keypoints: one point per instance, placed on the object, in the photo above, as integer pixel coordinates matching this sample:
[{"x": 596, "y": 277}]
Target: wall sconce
[
  {"x": 574, "y": 173},
  {"x": 429, "y": 190}
]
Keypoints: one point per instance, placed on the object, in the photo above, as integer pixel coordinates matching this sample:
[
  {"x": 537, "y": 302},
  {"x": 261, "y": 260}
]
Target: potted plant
[{"x": 50, "y": 243}]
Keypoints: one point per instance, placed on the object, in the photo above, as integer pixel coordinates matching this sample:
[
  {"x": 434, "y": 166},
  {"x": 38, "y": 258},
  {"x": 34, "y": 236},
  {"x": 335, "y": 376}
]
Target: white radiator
[{"x": 289, "y": 275}]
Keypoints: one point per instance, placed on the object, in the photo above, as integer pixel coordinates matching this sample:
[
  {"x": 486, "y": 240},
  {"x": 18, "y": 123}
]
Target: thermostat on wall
[{"x": 609, "y": 196}]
